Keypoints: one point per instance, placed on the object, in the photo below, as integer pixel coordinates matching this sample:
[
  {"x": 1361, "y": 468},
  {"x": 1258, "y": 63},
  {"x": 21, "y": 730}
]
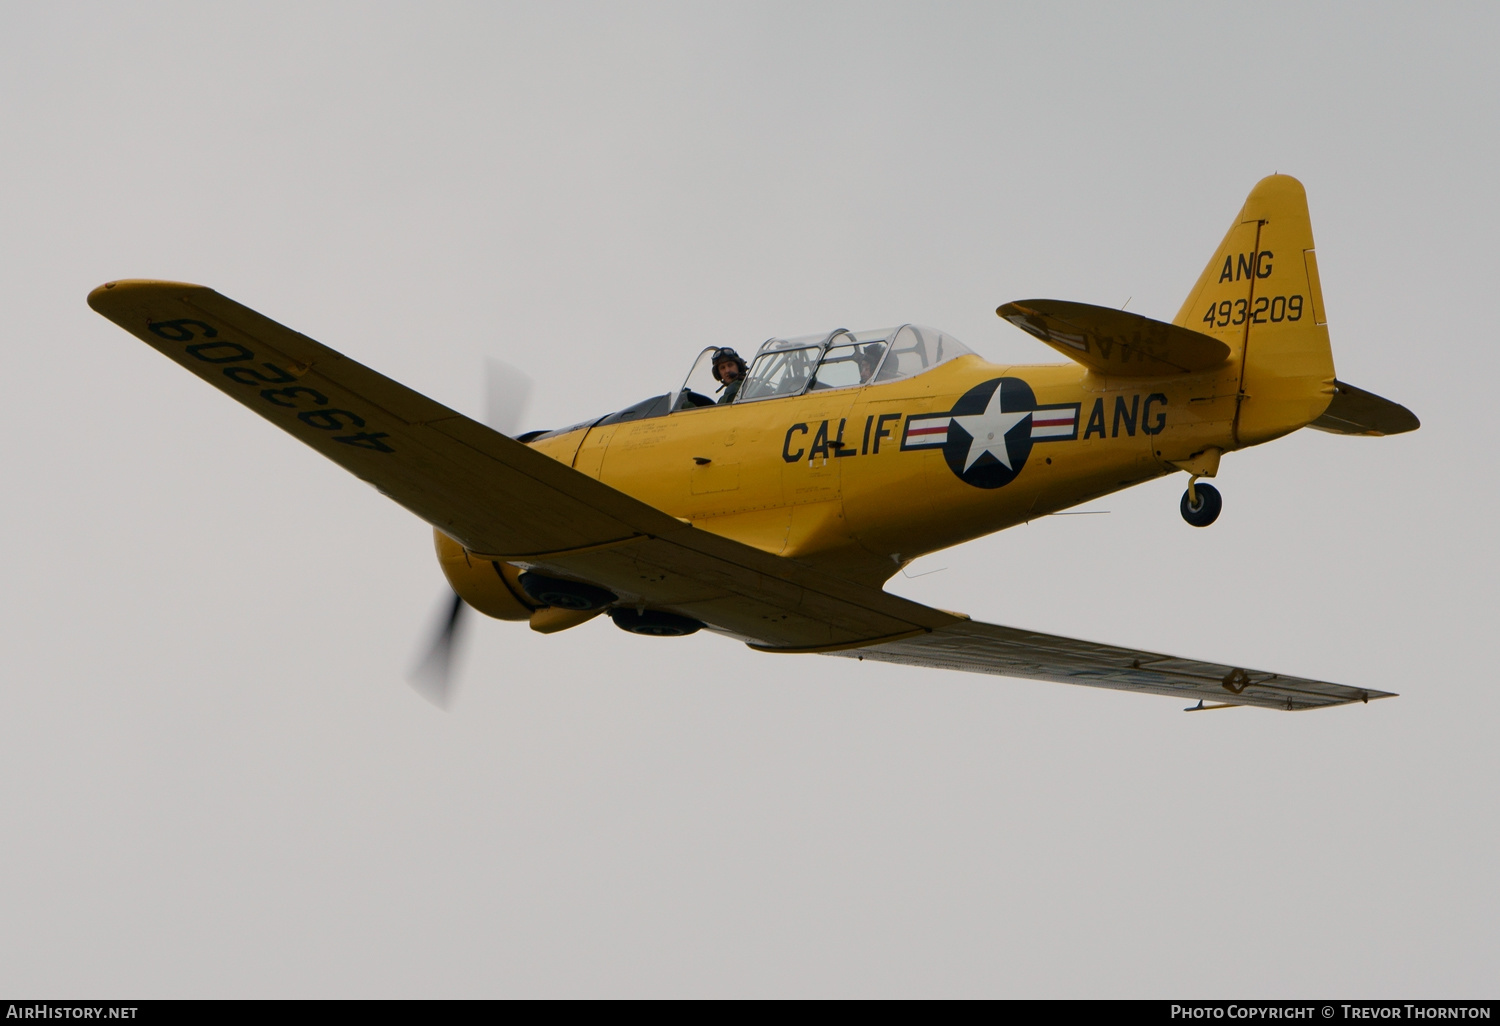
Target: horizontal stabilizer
[
  {"x": 1357, "y": 412},
  {"x": 1114, "y": 342}
]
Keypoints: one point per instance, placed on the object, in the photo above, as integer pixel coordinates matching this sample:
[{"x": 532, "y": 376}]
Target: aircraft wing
[
  {"x": 499, "y": 498},
  {"x": 505, "y": 501},
  {"x": 1011, "y": 652}
]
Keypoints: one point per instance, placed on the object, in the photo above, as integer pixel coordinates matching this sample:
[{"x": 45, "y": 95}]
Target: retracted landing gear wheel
[
  {"x": 550, "y": 591},
  {"x": 654, "y": 623},
  {"x": 1207, "y": 508}
]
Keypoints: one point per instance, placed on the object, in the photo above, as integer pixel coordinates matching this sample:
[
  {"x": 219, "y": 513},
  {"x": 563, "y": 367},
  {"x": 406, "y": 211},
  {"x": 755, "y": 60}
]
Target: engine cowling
[{"x": 492, "y": 588}]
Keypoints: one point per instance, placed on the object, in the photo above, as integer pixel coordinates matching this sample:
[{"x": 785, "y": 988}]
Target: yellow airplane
[{"x": 776, "y": 518}]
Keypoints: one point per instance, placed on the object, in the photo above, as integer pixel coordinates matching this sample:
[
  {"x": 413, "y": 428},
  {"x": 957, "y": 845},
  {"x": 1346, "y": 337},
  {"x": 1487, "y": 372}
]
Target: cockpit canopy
[
  {"x": 785, "y": 367},
  {"x": 840, "y": 359}
]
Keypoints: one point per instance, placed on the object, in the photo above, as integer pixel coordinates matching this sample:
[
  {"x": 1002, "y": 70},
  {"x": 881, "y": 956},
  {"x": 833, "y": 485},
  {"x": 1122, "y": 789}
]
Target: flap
[
  {"x": 1354, "y": 411},
  {"x": 1114, "y": 342}
]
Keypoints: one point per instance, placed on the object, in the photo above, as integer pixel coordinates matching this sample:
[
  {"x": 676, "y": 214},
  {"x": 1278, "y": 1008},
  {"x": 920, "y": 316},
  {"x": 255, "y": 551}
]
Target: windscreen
[{"x": 700, "y": 388}]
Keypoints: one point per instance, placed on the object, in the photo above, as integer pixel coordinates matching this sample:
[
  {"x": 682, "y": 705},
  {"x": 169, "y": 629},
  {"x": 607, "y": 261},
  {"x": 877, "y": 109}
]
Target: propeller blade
[
  {"x": 507, "y": 393},
  {"x": 433, "y": 676}
]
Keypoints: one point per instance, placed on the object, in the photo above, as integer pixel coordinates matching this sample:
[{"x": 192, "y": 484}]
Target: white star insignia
[{"x": 987, "y": 431}]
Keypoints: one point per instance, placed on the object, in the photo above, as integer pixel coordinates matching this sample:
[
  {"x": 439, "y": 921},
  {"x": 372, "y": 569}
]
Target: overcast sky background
[{"x": 214, "y": 780}]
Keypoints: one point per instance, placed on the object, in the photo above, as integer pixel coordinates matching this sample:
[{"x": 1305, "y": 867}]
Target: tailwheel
[{"x": 1201, "y": 504}]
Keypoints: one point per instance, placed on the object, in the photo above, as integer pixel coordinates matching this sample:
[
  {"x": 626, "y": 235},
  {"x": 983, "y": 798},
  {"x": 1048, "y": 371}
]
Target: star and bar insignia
[{"x": 988, "y": 434}]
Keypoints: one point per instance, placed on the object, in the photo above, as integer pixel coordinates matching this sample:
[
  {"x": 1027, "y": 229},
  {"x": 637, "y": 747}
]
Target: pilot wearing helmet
[{"x": 729, "y": 371}]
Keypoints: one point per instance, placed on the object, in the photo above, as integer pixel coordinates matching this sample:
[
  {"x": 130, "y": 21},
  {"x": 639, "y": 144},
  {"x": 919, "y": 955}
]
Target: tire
[
  {"x": 654, "y": 623},
  {"x": 550, "y": 591},
  {"x": 1210, "y": 502}
]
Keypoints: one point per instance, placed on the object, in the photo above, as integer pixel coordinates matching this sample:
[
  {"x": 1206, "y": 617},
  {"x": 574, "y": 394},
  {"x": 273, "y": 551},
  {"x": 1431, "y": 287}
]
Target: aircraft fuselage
[{"x": 865, "y": 479}]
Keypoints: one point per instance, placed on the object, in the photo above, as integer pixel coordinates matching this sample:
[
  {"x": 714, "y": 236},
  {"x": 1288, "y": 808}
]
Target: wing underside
[
  {"x": 499, "y": 498},
  {"x": 1010, "y": 652},
  {"x": 507, "y": 502}
]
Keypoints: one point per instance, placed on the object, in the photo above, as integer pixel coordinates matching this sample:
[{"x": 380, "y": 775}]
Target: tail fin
[{"x": 1260, "y": 295}]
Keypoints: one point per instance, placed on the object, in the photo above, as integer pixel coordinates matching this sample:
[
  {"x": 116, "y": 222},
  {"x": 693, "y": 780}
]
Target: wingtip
[
  {"x": 96, "y": 297},
  {"x": 111, "y": 291}
]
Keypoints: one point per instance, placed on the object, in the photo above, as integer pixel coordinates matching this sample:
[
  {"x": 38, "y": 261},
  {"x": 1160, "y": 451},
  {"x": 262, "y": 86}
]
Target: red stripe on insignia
[{"x": 927, "y": 431}]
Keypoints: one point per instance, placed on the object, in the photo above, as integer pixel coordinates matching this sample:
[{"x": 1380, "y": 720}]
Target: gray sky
[{"x": 213, "y": 778}]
